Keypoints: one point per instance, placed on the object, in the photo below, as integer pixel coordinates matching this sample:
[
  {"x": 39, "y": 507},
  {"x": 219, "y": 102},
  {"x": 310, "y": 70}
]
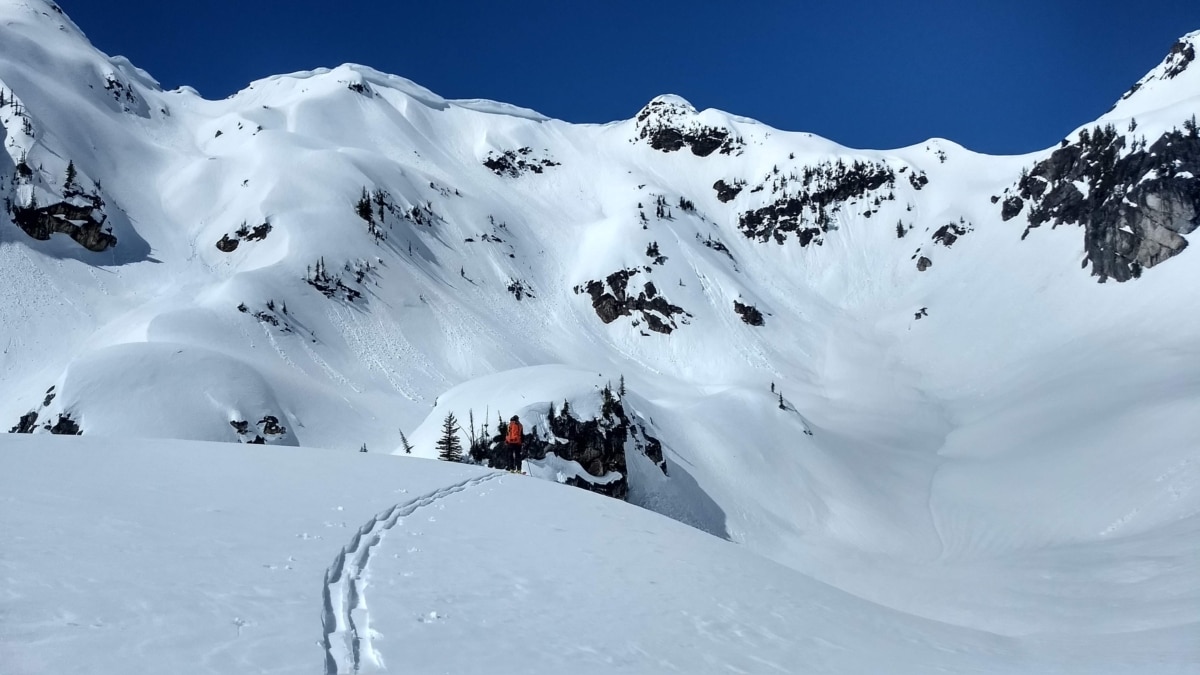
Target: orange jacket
[{"x": 515, "y": 432}]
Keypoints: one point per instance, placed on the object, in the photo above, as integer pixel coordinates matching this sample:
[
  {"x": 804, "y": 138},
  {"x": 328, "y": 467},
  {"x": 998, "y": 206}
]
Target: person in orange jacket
[{"x": 513, "y": 440}]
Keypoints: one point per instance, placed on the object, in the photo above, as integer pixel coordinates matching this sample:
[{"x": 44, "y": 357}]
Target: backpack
[{"x": 515, "y": 432}]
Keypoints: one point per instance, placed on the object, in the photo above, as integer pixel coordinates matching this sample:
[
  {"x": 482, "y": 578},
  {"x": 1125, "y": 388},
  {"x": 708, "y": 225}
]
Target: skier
[{"x": 513, "y": 440}]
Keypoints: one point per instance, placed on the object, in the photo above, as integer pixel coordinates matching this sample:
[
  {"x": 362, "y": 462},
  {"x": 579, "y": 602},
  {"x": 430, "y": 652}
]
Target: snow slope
[
  {"x": 297, "y": 560},
  {"x": 994, "y": 442}
]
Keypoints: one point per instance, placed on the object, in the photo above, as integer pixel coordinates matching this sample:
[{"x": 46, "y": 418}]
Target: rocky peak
[
  {"x": 1172, "y": 80},
  {"x": 669, "y": 123}
]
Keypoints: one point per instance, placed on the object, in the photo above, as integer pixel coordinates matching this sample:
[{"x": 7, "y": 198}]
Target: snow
[
  {"x": 559, "y": 470},
  {"x": 371, "y": 563},
  {"x": 1010, "y": 483}
]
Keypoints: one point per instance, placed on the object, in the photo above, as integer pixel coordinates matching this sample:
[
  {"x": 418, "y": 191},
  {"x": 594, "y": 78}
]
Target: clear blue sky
[{"x": 997, "y": 76}]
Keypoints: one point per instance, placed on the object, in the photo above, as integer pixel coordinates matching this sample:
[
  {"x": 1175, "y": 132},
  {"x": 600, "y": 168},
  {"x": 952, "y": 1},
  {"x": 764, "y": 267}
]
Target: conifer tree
[
  {"x": 69, "y": 183},
  {"x": 408, "y": 448},
  {"x": 448, "y": 446}
]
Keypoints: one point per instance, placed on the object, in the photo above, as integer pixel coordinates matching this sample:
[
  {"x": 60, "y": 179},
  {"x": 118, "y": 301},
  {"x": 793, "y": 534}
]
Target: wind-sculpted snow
[{"x": 935, "y": 414}]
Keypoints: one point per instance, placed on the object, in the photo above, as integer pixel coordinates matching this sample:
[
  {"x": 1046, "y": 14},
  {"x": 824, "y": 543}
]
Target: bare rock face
[
  {"x": 725, "y": 191},
  {"x": 668, "y": 123},
  {"x": 749, "y": 313},
  {"x": 80, "y": 223},
  {"x": 612, "y": 299},
  {"x": 806, "y": 203},
  {"x": 1139, "y": 203},
  {"x": 599, "y": 445}
]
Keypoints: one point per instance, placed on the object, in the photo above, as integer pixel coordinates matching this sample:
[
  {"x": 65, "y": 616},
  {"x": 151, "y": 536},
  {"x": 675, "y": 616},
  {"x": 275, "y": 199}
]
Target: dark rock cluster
[
  {"x": 667, "y": 124},
  {"x": 1139, "y": 200},
  {"x": 63, "y": 426},
  {"x": 597, "y": 444},
  {"x": 611, "y": 299},
  {"x": 84, "y": 224},
  {"x": 949, "y": 233},
  {"x": 823, "y": 190},
  {"x": 516, "y": 163},
  {"x": 749, "y": 313},
  {"x": 228, "y": 244},
  {"x": 727, "y": 192},
  {"x": 267, "y": 429}
]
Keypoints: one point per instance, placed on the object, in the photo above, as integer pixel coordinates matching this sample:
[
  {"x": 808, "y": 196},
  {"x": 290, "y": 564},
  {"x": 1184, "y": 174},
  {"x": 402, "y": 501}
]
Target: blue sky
[{"x": 999, "y": 77}]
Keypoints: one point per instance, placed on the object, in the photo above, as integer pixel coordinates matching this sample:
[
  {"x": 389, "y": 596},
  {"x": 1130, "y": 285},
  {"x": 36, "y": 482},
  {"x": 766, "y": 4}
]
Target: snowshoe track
[{"x": 343, "y": 591}]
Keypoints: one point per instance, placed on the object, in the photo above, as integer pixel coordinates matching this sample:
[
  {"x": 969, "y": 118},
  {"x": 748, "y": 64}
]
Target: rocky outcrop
[
  {"x": 611, "y": 299},
  {"x": 669, "y": 123},
  {"x": 727, "y": 192},
  {"x": 77, "y": 222},
  {"x": 516, "y": 163},
  {"x": 749, "y": 313},
  {"x": 807, "y": 201},
  {"x": 598, "y": 445},
  {"x": 268, "y": 429},
  {"x": 1134, "y": 202}
]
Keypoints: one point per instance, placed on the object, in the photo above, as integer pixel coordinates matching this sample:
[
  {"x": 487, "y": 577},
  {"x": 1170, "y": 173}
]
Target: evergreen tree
[
  {"x": 448, "y": 446},
  {"x": 70, "y": 186},
  {"x": 363, "y": 208},
  {"x": 408, "y": 448},
  {"x": 781, "y": 405},
  {"x": 606, "y": 396},
  {"x": 621, "y": 387}
]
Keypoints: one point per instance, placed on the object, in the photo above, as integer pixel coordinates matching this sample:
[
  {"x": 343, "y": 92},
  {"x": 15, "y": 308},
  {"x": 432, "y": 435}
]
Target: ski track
[{"x": 343, "y": 592}]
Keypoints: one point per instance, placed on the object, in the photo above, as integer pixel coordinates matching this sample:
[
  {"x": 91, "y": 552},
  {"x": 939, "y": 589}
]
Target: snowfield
[
  {"x": 187, "y": 557},
  {"x": 904, "y": 428}
]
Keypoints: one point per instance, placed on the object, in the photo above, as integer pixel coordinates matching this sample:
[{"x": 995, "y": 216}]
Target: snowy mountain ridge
[{"x": 862, "y": 364}]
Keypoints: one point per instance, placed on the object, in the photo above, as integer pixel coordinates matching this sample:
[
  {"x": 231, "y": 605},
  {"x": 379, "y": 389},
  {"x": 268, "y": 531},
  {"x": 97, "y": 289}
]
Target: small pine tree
[
  {"x": 781, "y": 405},
  {"x": 448, "y": 446},
  {"x": 363, "y": 208},
  {"x": 69, "y": 183},
  {"x": 408, "y": 448},
  {"x": 900, "y": 231},
  {"x": 621, "y": 386},
  {"x": 363, "y": 448}
]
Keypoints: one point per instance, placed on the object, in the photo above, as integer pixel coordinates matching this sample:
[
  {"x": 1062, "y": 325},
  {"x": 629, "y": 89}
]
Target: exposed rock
[
  {"x": 26, "y": 424},
  {"x": 725, "y": 191},
  {"x": 271, "y": 427},
  {"x": 1138, "y": 203},
  {"x": 1180, "y": 57},
  {"x": 1011, "y": 208},
  {"x": 949, "y": 233},
  {"x": 599, "y": 445},
  {"x": 227, "y": 245},
  {"x": 611, "y": 300},
  {"x": 808, "y": 210},
  {"x": 515, "y": 163},
  {"x": 78, "y": 222},
  {"x": 923, "y": 264},
  {"x": 749, "y": 313},
  {"x": 65, "y": 426},
  {"x": 668, "y": 123}
]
